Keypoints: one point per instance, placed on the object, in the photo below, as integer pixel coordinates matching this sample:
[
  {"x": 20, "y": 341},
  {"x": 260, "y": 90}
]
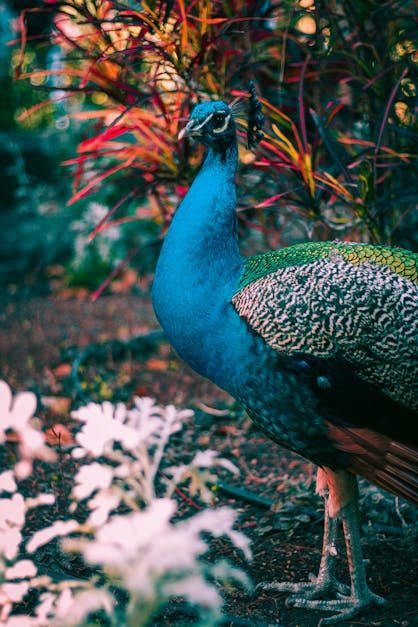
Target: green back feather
[{"x": 403, "y": 262}]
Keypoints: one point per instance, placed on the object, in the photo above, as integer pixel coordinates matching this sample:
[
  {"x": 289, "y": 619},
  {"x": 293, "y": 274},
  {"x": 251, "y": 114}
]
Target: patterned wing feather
[
  {"x": 358, "y": 303},
  {"x": 400, "y": 261}
]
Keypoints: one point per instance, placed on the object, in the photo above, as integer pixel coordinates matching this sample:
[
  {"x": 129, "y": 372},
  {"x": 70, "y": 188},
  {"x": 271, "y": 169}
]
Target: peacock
[{"x": 318, "y": 341}]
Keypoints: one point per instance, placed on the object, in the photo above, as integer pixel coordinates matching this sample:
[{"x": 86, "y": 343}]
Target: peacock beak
[
  {"x": 194, "y": 127},
  {"x": 182, "y": 133},
  {"x": 189, "y": 129}
]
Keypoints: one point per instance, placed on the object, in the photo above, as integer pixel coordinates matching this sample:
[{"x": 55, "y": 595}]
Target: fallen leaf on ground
[{"x": 59, "y": 434}]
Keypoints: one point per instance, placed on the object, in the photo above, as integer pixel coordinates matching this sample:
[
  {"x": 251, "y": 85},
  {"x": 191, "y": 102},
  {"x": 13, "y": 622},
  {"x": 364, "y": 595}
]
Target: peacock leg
[
  {"x": 340, "y": 504},
  {"x": 325, "y": 582}
]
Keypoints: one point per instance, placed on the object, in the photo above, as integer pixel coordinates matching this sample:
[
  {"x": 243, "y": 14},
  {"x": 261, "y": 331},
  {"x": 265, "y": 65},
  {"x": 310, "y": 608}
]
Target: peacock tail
[{"x": 353, "y": 302}]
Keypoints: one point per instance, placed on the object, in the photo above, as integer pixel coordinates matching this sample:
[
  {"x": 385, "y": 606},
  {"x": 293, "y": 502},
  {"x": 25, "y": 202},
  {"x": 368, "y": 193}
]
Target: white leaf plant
[{"x": 128, "y": 535}]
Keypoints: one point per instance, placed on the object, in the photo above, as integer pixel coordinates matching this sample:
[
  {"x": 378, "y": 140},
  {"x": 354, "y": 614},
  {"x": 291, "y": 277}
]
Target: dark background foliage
[{"x": 105, "y": 87}]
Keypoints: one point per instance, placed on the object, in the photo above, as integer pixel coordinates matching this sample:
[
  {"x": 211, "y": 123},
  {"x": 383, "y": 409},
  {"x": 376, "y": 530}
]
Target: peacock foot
[
  {"x": 315, "y": 588},
  {"x": 310, "y": 595}
]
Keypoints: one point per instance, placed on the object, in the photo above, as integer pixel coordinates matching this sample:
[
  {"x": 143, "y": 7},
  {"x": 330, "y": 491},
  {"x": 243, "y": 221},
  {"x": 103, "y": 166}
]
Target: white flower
[
  {"x": 32, "y": 440},
  {"x": 151, "y": 419},
  {"x": 175, "y": 417},
  {"x": 12, "y": 512},
  {"x": 78, "y": 606},
  {"x": 146, "y": 423},
  {"x": 44, "y": 608},
  {"x": 13, "y": 592},
  {"x": 144, "y": 411},
  {"x": 91, "y": 477},
  {"x": 120, "y": 540},
  {"x": 102, "y": 504},
  {"x": 23, "y": 469},
  {"x": 10, "y": 540},
  {"x": 20, "y": 620},
  {"x": 21, "y": 569},
  {"x": 56, "y": 606},
  {"x": 78, "y": 452},
  {"x": 219, "y": 522},
  {"x": 72, "y": 608},
  {"x": 196, "y": 589},
  {"x": 209, "y": 459},
  {"x": 124, "y": 470},
  {"x": 15, "y": 415},
  {"x": 222, "y": 570},
  {"x": 64, "y": 605},
  {"x": 144, "y": 550},
  {"x": 173, "y": 550},
  {"x": 7, "y": 481},
  {"x": 104, "y": 426},
  {"x": 58, "y": 528},
  {"x": 41, "y": 499}
]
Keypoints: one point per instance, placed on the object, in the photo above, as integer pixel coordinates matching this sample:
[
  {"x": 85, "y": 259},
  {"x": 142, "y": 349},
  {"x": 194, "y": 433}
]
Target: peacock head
[{"x": 212, "y": 123}]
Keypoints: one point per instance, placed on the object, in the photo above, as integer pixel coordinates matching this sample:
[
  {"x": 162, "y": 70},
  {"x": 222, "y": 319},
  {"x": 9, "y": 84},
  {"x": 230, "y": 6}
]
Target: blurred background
[{"x": 93, "y": 94}]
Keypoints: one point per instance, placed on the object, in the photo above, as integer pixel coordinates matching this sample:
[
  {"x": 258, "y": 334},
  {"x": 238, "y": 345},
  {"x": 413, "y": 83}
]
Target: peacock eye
[{"x": 218, "y": 118}]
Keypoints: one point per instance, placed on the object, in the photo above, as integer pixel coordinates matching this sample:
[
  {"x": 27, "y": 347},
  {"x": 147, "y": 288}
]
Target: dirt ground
[{"x": 40, "y": 341}]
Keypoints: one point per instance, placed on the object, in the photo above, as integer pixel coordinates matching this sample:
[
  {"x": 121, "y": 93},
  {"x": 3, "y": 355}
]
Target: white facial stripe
[
  {"x": 225, "y": 126},
  {"x": 197, "y": 128}
]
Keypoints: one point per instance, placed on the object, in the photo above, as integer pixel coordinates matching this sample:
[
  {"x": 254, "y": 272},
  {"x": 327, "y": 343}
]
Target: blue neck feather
[{"x": 198, "y": 271}]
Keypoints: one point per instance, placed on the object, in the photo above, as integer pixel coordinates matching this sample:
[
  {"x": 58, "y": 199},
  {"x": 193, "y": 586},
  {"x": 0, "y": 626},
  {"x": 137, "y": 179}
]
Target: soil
[{"x": 41, "y": 340}]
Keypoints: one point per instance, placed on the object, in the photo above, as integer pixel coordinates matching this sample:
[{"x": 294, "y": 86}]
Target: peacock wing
[{"x": 351, "y": 305}]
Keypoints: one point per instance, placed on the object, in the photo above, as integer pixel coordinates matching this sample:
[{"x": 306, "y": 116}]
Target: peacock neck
[
  {"x": 202, "y": 239},
  {"x": 206, "y": 219},
  {"x": 200, "y": 265}
]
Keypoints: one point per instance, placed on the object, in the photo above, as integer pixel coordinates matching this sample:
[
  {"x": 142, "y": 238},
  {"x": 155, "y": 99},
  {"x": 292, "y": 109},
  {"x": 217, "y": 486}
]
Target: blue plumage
[{"x": 326, "y": 388}]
